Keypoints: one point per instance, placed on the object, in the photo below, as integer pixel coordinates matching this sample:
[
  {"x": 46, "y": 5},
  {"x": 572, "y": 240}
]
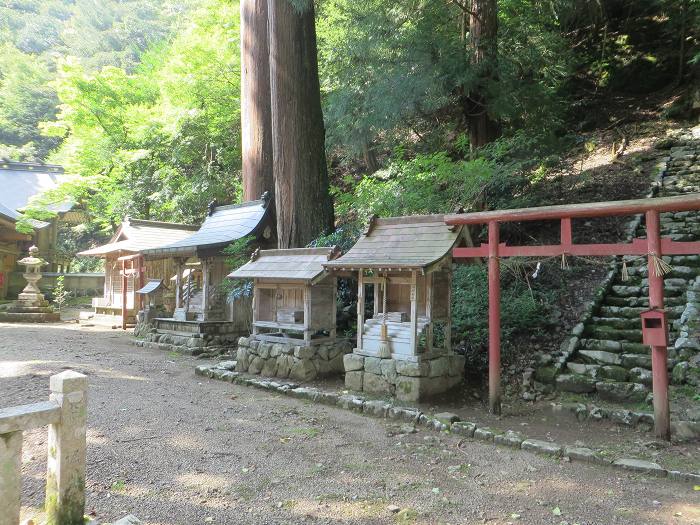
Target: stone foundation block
[{"x": 289, "y": 360}]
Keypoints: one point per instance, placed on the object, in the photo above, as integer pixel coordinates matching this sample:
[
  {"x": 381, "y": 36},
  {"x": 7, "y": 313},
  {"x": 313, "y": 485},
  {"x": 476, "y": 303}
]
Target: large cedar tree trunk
[
  {"x": 256, "y": 113},
  {"x": 302, "y": 198},
  {"x": 483, "y": 33}
]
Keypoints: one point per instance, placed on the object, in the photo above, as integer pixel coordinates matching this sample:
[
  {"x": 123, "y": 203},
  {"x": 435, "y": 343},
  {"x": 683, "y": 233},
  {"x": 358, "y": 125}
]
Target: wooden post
[
  {"x": 189, "y": 291},
  {"x": 65, "y": 478},
  {"x": 10, "y": 477},
  {"x": 360, "y": 306},
  {"x": 659, "y": 354},
  {"x": 334, "y": 309},
  {"x": 448, "y": 325},
  {"x": 429, "y": 312},
  {"x": 414, "y": 312},
  {"x": 125, "y": 285},
  {"x": 142, "y": 279},
  {"x": 307, "y": 314},
  {"x": 178, "y": 283},
  {"x": 376, "y": 299},
  {"x": 494, "y": 321},
  {"x": 256, "y": 305},
  {"x": 205, "y": 288}
]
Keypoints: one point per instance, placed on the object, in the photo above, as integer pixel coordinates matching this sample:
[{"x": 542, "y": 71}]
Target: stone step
[
  {"x": 642, "y": 302},
  {"x": 628, "y": 290},
  {"x": 595, "y": 332},
  {"x": 622, "y": 323},
  {"x": 633, "y": 312},
  {"x": 620, "y": 347}
]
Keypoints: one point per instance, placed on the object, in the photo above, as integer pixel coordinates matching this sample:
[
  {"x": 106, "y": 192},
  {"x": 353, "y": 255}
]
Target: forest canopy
[{"x": 140, "y": 100}]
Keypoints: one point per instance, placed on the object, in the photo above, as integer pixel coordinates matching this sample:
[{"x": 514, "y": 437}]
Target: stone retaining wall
[
  {"x": 406, "y": 380},
  {"x": 302, "y": 363}
]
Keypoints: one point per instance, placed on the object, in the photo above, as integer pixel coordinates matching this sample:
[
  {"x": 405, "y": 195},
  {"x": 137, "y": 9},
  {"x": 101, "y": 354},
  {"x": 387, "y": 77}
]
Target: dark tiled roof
[
  {"x": 136, "y": 235},
  {"x": 223, "y": 226},
  {"x": 22, "y": 181},
  {"x": 400, "y": 242},
  {"x": 298, "y": 264}
]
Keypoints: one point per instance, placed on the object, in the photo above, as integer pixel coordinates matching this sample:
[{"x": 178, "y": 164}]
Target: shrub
[{"x": 523, "y": 311}]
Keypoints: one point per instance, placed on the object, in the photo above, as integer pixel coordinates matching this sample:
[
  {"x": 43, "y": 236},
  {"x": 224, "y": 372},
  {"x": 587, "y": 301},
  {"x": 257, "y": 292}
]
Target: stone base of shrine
[
  {"x": 290, "y": 360},
  {"x": 405, "y": 380},
  {"x": 186, "y": 337}
]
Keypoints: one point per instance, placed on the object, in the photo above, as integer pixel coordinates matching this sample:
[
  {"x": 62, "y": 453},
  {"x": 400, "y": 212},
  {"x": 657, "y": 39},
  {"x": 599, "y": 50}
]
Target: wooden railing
[{"x": 66, "y": 415}]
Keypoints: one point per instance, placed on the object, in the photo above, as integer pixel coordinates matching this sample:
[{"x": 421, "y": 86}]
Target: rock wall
[
  {"x": 406, "y": 380},
  {"x": 301, "y": 363}
]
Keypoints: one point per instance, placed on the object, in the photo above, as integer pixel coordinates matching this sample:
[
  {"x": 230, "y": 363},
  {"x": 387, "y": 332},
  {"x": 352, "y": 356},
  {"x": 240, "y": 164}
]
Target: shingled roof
[
  {"x": 295, "y": 264},
  {"x": 413, "y": 242},
  {"x": 223, "y": 225},
  {"x": 135, "y": 236},
  {"x": 21, "y": 181}
]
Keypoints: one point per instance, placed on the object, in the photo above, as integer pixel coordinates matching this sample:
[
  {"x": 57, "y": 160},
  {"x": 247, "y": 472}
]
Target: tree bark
[
  {"x": 302, "y": 199},
  {"x": 483, "y": 33},
  {"x": 256, "y": 113}
]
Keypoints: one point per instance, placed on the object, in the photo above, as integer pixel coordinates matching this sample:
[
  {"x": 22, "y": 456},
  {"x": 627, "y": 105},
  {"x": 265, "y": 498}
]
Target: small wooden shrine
[
  {"x": 294, "y": 314},
  {"x": 294, "y": 297},
  {"x": 405, "y": 265},
  {"x": 204, "y": 316},
  {"x": 126, "y": 271}
]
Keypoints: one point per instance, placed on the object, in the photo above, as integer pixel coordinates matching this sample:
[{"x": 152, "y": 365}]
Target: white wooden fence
[{"x": 66, "y": 415}]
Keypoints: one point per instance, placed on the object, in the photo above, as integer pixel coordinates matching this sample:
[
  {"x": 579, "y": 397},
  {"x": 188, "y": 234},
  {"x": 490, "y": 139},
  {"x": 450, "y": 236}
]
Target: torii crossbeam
[{"x": 653, "y": 246}]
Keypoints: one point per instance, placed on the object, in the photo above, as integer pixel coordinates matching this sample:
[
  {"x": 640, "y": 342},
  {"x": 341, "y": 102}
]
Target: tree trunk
[
  {"x": 683, "y": 36},
  {"x": 483, "y": 32},
  {"x": 256, "y": 114},
  {"x": 302, "y": 198}
]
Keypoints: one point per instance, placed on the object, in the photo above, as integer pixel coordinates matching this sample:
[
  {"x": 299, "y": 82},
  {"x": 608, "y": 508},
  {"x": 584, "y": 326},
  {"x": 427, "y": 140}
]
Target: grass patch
[
  {"x": 119, "y": 485},
  {"x": 308, "y": 432},
  {"x": 406, "y": 516}
]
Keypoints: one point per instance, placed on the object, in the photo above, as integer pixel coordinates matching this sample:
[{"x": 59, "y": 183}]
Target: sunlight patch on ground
[
  {"x": 20, "y": 368},
  {"x": 197, "y": 480},
  {"x": 333, "y": 507},
  {"x": 185, "y": 442}
]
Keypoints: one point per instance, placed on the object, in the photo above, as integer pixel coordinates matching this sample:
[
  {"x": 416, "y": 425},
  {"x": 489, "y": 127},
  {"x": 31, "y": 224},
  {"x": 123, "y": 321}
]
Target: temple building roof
[
  {"x": 135, "y": 236},
  {"x": 22, "y": 181},
  {"x": 413, "y": 242},
  {"x": 222, "y": 226},
  {"x": 295, "y": 264}
]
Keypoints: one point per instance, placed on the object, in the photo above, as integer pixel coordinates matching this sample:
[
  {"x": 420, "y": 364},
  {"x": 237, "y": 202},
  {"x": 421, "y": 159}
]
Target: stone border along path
[{"x": 445, "y": 421}]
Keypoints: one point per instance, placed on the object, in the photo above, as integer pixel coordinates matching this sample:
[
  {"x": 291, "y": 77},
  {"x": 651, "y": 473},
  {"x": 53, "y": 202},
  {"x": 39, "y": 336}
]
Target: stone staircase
[{"x": 608, "y": 357}]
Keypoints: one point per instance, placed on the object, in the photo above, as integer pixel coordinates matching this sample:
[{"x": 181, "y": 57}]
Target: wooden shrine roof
[
  {"x": 295, "y": 264},
  {"x": 413, "y": 242},
  {"x": 223, "y": 225},
  {"x": 135, "y": 236}
]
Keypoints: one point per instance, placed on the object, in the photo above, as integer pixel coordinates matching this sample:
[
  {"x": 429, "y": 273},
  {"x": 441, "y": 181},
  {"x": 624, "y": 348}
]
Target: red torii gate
[{"x": 653, "y": 246}]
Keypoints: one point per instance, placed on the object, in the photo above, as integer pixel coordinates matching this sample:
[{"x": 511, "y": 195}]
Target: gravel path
[{"x": 173, "y": 448}]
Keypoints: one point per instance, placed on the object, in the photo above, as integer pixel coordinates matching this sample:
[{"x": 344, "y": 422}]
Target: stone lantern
[
  {"x": 31, "y": 296},
  {"x": 31, "y": 306}
]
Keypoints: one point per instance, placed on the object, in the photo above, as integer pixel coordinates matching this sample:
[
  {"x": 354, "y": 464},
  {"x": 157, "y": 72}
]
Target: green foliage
[
  {"x": 59, "y": 293},
  {"x": 237, "y": 254},
  {"x": 162, "y": 141},
  {"x": 423, "y": 185},
  {"x": 523, "y": 311},
  {"x": 34, "y": 34},
  {"x": 390, "y": 70}
]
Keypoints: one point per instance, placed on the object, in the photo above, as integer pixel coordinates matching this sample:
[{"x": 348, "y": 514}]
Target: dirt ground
[{"x": 173, "y": 448}]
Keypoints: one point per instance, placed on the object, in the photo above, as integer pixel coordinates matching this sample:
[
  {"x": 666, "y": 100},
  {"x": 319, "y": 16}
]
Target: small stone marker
[
  {"x": 541, "y": 447},
  {"x": 640, "y": 465}
]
